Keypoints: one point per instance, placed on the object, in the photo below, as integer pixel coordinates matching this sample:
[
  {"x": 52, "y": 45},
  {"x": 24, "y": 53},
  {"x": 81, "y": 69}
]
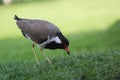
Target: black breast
[{"x": 53, "y": 45}]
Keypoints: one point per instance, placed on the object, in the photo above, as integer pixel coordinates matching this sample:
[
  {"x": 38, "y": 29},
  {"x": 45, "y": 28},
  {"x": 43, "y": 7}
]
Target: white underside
[
  {"x": 56, "y": 39},
  {"x": 27, "y": 36},
  {"x": 42, "y": 45}
]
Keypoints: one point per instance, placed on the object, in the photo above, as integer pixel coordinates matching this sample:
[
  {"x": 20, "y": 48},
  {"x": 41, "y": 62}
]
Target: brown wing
[{"x": 38, "y": 30}]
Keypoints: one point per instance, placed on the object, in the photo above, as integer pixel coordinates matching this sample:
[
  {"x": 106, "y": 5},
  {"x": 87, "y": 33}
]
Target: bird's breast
[{"x": 51, "y": 41}]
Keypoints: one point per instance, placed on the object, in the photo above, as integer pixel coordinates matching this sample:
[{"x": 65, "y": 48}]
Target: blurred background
[{"x": 88, "y": 24}]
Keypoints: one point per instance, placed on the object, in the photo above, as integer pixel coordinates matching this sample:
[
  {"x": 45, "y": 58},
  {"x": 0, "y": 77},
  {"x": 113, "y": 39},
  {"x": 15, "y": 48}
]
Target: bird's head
[
  {"x": 64, "y": 42},
  {"x": 58, "y": 42}
]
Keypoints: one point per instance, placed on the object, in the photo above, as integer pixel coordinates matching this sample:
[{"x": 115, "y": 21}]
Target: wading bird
[{"x": 43, "y": 33}]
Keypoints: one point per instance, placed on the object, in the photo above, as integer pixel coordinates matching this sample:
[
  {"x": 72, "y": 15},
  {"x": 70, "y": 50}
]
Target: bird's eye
[{"x": 64, "y": 45}]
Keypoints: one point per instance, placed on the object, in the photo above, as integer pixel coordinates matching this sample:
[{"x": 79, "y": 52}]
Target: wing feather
[{"x": 38, "y": 30}]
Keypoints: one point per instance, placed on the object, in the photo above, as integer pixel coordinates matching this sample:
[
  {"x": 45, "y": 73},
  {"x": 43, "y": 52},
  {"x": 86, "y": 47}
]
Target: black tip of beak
[
  {"x": 68, "y": 53},
  {"x": 67, "y": 50}
]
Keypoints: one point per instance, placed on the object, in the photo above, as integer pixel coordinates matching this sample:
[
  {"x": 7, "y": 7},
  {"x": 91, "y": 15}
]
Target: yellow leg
[
  {"x": 46, "y": 57},
  {"x": 33, "y": 46}
]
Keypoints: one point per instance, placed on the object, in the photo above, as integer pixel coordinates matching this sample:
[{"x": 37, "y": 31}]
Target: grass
[
  {"x": 92, "y": 28},
  {"x": 85, "y": 22},
  {"x": 99, "y": 17},
  {"x": 94, "y": 65}
]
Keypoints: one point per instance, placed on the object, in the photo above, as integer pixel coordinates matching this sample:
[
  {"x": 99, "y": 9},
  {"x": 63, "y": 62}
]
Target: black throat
[{"x": 54, "y": 45}]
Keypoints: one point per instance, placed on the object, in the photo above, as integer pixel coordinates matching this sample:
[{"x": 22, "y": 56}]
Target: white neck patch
[{"x": 56, "y": 39}]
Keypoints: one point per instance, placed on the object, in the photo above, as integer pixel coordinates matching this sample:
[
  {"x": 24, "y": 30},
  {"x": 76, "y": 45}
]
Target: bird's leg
[
  {"x": 46, "y": 57},
  {"x": 33, "y": 46}
]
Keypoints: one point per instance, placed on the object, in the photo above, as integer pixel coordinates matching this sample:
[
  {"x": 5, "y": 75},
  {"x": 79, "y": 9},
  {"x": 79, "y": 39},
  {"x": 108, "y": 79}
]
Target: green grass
[
  {"x": 92, "y": 27},
  {"x": 84, "y": 23},
  {"x": 94, "y": 65}
]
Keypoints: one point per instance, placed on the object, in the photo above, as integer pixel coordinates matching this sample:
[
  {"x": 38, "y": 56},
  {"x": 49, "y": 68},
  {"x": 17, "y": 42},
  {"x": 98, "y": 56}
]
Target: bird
[{"x": 42, "y": 33}]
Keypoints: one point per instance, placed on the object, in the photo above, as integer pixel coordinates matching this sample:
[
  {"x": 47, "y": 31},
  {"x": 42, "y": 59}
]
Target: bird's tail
[{"x": 17, "y": 18}]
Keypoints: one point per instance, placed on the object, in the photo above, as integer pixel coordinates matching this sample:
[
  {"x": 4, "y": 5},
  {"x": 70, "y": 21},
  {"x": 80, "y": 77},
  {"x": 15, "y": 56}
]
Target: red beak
[{"x": 67, "y": 50}]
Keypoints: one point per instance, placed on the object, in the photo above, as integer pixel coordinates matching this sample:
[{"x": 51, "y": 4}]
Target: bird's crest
[{"x": 17, "y": 18}]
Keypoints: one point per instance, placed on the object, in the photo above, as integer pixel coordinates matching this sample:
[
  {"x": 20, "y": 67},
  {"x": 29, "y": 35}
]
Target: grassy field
[
  {"x": 96, "y": 65},
  {"x": 92, "y": 27}
]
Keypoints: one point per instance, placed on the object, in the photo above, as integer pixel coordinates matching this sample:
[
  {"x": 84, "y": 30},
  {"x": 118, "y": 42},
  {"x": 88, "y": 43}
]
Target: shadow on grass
[
  {"x": 108, "y": 39},
  {"x": 20, "y": 48},
  {"x": 14, "y": 48}
]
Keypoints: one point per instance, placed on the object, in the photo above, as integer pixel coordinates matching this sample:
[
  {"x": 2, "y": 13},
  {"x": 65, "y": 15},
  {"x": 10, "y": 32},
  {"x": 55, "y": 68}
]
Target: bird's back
[{"x": 37, "y": 30}]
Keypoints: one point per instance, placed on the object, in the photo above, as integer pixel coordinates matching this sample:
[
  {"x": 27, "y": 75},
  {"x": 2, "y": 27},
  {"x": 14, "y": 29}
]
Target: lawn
[
  {"x": 92, "y": 27},
  {"x": 94, "y": 65}
]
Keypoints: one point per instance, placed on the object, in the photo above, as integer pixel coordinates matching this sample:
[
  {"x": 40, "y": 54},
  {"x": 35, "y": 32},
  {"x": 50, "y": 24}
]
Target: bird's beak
[{"x": 67, "y": 50}]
